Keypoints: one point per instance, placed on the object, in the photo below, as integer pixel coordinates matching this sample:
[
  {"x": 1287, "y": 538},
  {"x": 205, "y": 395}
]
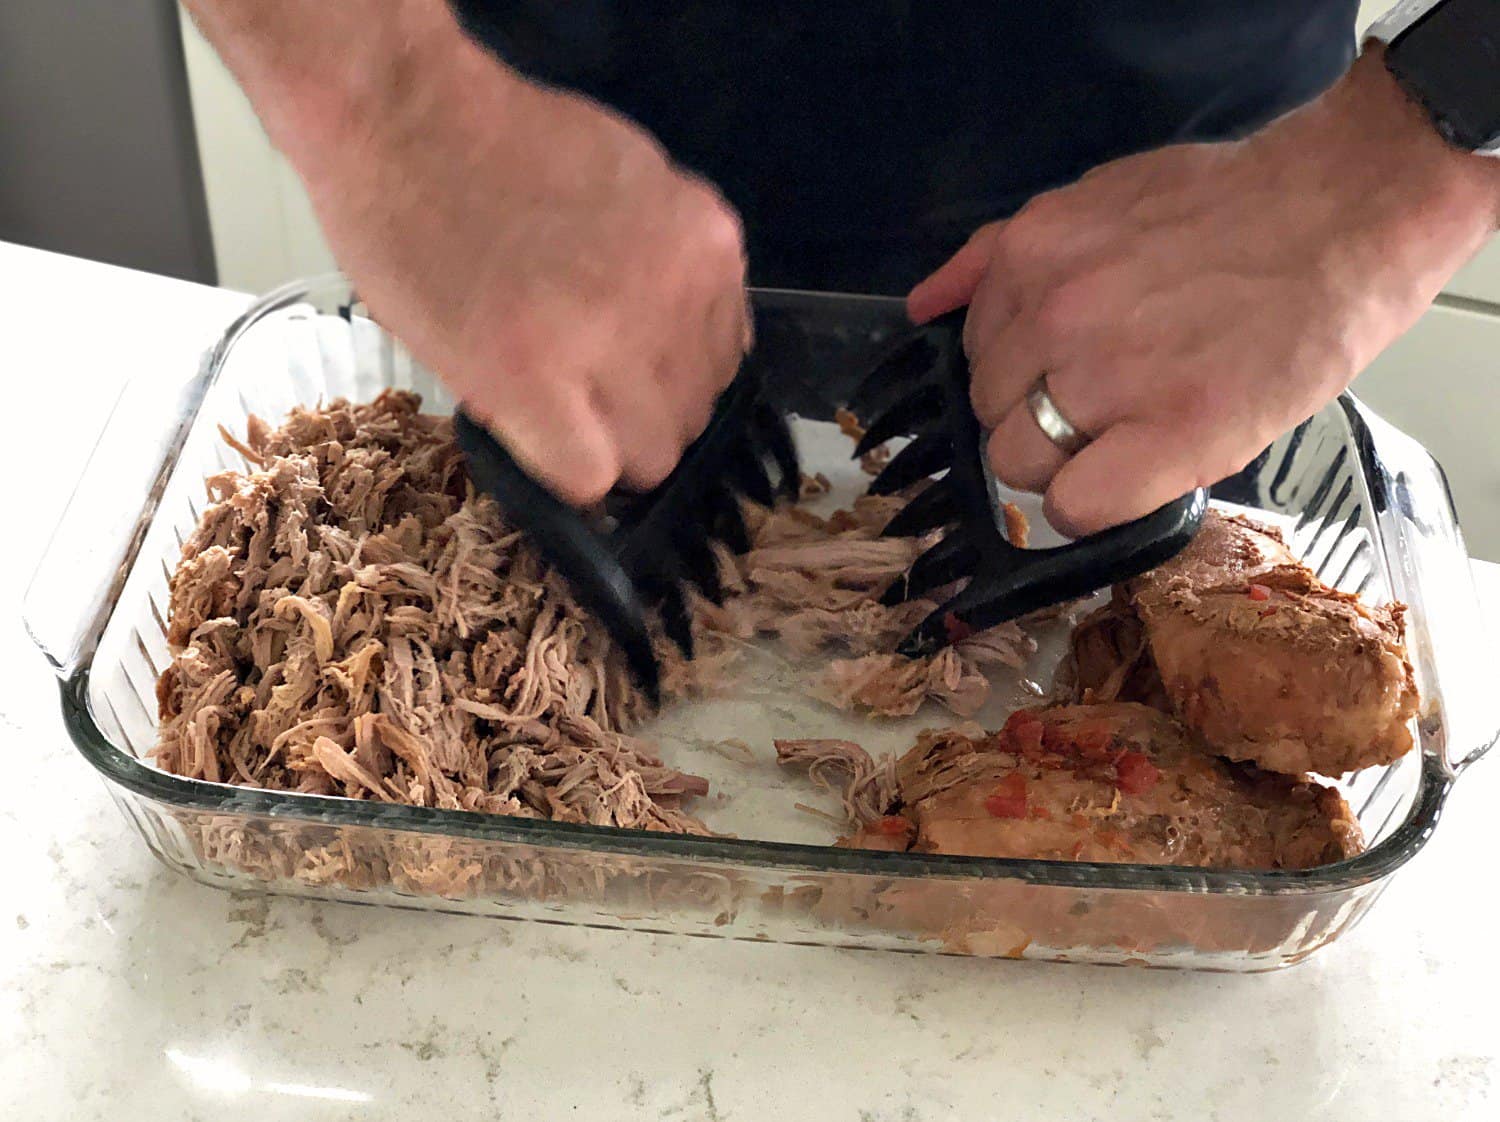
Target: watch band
[
  {"x": 1398, "y": 19},
  {"x": 1445, "y": 55}
]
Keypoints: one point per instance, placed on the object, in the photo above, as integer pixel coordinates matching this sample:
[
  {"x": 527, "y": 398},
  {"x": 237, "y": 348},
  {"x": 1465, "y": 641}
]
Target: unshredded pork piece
[
  {"x": 1017, "y": 526},
  {"x": 1260, "y": 658},
  {"x": 1112, "y": 783},
  {"x": 1108, "y": 660},
  {"x": 811, "y": 486},
  {"x": 351, "y": 619}
]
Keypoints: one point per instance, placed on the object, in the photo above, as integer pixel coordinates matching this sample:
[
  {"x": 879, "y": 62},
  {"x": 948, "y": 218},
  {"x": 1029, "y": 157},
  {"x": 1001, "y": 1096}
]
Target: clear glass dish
[{"x": 1366, "y": 507}]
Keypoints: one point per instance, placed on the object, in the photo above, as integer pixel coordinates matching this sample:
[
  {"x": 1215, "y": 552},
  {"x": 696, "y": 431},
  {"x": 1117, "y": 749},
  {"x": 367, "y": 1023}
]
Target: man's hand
[
  {"x": 582, "y": 296},
  {"x": 1191, "y": 304}
]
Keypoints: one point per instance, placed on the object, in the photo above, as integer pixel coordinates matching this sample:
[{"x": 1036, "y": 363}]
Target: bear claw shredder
[
  {"x": 920, "y": 389},
  {"x": 632, "y": 557}
]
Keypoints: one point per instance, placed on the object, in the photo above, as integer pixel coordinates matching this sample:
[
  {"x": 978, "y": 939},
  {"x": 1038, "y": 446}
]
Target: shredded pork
[
  {"x": 349, "y": 618},
  {"x": 814, "y": 584},
  {"x": 841, "y": 767}
]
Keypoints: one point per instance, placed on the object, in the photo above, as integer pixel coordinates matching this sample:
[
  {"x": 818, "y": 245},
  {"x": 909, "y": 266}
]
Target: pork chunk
[
  {"x": 1270, "y": 665},
  {"x": 1114, "y": 783}
]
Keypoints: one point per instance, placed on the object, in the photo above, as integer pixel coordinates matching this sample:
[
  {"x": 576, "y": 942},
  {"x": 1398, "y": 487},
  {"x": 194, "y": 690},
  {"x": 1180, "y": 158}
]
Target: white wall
[{"x": 263, "y": 226}]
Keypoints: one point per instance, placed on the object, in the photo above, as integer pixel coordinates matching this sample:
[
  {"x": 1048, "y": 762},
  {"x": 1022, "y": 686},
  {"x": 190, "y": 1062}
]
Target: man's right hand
[{"x": 581, "y": 295}]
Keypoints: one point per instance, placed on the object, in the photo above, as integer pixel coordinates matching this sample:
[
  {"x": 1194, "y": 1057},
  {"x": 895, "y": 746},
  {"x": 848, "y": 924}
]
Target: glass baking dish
[{"x": 1365, "y": 506}]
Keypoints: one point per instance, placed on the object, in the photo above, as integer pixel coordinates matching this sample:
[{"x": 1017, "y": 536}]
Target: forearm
[{"x": 323, "y": 74}]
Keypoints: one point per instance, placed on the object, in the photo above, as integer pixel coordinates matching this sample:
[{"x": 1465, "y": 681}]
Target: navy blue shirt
[{"x": 863, "y": 140}]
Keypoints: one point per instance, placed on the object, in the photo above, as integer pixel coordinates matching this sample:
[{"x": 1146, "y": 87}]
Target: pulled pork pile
[{"x": 351, "y": 619}]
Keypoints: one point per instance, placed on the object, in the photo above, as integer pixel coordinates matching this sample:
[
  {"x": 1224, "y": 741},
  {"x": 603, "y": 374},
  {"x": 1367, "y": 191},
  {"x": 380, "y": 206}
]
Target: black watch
[{"x": 1446, "y": 56}]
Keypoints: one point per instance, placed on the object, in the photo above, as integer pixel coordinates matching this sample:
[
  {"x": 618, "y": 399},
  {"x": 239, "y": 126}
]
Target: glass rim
[{"x": 121, "y": 768}]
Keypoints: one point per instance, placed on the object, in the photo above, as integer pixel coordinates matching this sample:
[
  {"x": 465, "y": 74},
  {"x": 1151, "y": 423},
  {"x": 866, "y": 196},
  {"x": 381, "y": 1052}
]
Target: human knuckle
[
  {"x": 721, "y": 228},
  {"x": 1006, "y": 465},
  {"x": 1010, "y": 247},
  {"x": 1076, "y": 509},
  {"x": 1042, "y": 211},
  {"x": 1010, "y": 465},
  {"x": 1191, "y": 400},
  {"x": 589, "y": 479},
  {"x": 654, "y": 463},
  {"x": 1061, "y": 310}
]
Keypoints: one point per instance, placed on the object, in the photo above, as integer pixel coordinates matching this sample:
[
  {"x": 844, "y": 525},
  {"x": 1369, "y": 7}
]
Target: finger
[
  {"x": 561, "y": 444},
  {"x": 729, "y": 333},
  {"x": 994, "y": 304},
  {"x": 952, "y": 285},
  {"x": 1128, "y": 472},
  {"x": 1003, "y": 366},
  {"x": 646, "y": 427},
  {"x": 1021, "y": 454},
  {"x": 692, "y": 378}
]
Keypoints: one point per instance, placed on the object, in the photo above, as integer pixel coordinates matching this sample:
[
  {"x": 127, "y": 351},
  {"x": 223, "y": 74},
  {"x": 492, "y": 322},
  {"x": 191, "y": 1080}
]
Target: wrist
[{"x": 1443, "y": 184}]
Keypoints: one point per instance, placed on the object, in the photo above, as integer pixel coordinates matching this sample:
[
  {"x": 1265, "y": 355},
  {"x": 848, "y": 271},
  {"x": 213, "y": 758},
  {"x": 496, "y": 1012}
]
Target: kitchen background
[{"x": 122, "y": 138}]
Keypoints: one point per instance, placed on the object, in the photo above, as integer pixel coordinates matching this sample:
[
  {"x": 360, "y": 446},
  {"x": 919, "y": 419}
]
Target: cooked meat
[
  {"x": 815, "y": 583},
  {"x": 1270, "y": 665},
  {"x": 1113, "y": 783},
  {"x": 867, "y": 789},
  {"x": 811, "y": 486},
  {"x": 1108, "y": 660},
  {"x": 349, "y": 619}
]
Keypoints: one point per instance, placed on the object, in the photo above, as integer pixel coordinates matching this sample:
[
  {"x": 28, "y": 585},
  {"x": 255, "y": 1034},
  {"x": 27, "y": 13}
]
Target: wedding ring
[{"x": 1050, "y": 419}]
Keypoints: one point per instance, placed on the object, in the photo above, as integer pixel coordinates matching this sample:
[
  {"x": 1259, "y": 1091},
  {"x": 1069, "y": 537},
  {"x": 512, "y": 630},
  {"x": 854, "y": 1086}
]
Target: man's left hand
[{"x": 1188, "y": 305}]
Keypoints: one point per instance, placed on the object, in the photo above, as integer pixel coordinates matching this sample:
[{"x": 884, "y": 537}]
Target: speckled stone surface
[{"x": 128, "y": 993}]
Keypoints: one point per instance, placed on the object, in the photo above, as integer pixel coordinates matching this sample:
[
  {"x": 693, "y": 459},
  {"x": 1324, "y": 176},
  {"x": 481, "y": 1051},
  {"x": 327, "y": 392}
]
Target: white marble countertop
[{"x": 134, "y": 995}]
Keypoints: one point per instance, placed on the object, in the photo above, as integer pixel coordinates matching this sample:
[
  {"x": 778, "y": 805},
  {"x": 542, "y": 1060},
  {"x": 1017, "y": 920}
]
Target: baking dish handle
[
  {"x": 1430, "y": 571},
  {"x": 84, "y": 565}
]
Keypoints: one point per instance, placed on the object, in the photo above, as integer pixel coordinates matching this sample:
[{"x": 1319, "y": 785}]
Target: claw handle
[
  {"x": 1009, "y": 581},
  {"x": 584, "y": 558}
]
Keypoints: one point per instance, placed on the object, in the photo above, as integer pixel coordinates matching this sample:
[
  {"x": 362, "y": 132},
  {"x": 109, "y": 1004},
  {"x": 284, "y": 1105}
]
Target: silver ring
[{"x": 1049, "y": 418}]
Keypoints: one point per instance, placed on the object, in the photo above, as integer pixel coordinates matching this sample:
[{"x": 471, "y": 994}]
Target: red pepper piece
[
  {"x": 1259, "y": 592},
  {"x": 1013, "y": 784},
  {"x": 956, "y": 629},
  {"x": 1004, "y": 806},
  {"x": 892, "y": 826},
  {"x": 1135, "y": 775},
  {"x": 1094, "y": 739},
  {"x": 1022, "y": 733},
  {"x": 1009, "y": 799}
]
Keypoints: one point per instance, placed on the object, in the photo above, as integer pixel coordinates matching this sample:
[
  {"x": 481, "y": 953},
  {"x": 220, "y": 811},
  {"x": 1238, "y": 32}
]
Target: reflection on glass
[{"x": 223, "y": 1077}]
